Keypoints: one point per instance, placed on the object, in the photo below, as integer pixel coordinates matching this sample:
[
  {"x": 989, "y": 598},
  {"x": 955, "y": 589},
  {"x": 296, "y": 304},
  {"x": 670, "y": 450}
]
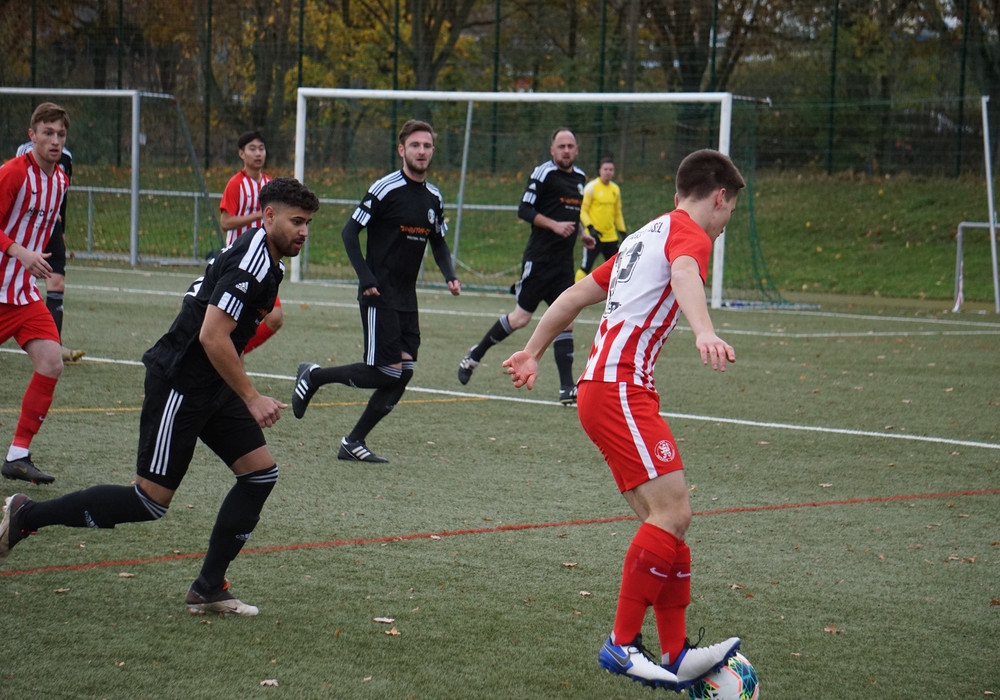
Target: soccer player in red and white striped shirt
[
  {"x": 31, "y": 191},
  {"x": 239, "y": 212},
  {"x": 660, "y": 270}
]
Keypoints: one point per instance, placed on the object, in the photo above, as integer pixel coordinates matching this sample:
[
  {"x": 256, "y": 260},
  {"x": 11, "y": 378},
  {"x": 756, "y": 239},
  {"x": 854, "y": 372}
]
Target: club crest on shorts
[{"x": 665, "y": 451}]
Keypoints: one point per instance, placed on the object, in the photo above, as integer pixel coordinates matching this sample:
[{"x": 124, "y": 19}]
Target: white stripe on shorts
[
  {"x": 161, "y": 453},
  {"x": 640, "y": 445}
]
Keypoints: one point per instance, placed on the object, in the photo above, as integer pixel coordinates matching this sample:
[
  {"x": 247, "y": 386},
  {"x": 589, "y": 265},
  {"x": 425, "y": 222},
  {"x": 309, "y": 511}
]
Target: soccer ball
[{"x": 737, "y": 680}]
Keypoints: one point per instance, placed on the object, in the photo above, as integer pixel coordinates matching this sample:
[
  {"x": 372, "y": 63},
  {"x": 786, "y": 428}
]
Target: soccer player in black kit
[
  {"x": 551, "y": 204},
  {"x": 196, "y": 388},
  {"x": 403, "y": 213}
]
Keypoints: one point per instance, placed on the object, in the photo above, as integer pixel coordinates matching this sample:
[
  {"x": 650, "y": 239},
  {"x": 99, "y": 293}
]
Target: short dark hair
[
  {"x": 48, "y": 112},
  {"x": 248, "y": 136},
  {"x": 413, "y": 126},
  {"x": 607, "y": 159},
  {"x": 703, "y": 172},
  {"x": 290, "y": 192}
]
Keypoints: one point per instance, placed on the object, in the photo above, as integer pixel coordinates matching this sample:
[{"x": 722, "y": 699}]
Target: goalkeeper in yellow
[{"x": 601, "y": 213}]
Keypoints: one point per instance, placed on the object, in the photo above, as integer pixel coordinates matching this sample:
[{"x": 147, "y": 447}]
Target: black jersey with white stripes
[
  {"x": 243, "y": 281},
  {"x": 402, "y": 216},
  {"x": 558, "y": 195}
]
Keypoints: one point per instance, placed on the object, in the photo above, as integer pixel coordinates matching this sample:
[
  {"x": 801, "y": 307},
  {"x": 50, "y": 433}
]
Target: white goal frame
[
  {"x": 135, "y": 96},
  {"x": 723, "y": 99}
]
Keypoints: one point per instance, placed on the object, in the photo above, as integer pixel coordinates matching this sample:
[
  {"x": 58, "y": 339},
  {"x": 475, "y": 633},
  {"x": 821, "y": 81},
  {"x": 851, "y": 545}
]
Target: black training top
[
  {"x": 558, "y": 195},
  {"x": 402, "y": 216},
  {"x": 242, "y": 281}
]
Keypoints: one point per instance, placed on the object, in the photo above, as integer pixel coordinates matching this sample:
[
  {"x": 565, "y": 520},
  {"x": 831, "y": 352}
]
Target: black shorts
[
  {"x": 172, "y": 423},
  {"x": 57, "y": 247},
  {"x": 542, "y": 281},
  {"x": 388, "y": 334}
]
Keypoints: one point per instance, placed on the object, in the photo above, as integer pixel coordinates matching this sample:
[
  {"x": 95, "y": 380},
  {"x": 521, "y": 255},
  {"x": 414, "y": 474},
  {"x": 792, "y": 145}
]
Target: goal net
[
  {"x": 137, "y": 192},
  {"x": 487, "y": 145}
]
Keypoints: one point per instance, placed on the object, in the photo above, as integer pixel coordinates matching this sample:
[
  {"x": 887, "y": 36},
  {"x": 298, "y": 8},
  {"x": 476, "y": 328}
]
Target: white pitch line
[
  {"x": 666, "y": 414},
  {"x": 994, "y": 329}
]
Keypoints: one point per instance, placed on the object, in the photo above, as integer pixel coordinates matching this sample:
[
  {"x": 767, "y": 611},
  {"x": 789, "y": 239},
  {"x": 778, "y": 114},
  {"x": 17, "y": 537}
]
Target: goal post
[
  {"x": 120, "y": 139},
  {"x": 722, "y": 140}
]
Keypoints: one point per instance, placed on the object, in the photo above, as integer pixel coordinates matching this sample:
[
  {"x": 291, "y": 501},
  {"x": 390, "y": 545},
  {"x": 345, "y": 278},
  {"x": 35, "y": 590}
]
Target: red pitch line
[{"x": 487, "y": 530}]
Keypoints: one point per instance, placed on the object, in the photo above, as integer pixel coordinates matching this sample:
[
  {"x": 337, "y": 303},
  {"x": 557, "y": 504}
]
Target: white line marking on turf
[{"x": 667, "y": 414}]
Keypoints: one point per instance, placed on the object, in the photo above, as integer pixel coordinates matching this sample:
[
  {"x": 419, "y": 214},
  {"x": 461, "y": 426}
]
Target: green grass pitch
[{"x": 845, "y": 475}]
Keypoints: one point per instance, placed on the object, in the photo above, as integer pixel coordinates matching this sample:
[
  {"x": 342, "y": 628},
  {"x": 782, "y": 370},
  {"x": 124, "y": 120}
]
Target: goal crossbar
[{"x": 724, "y": 99}]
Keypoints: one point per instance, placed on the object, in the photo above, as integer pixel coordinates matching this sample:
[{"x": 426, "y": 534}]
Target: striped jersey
[
  {"x": 243, "y": 281},
  {"x": 241, "y": 198},
  {"x": 29, "y": 209},
  {"x": 641, "y": 309}
]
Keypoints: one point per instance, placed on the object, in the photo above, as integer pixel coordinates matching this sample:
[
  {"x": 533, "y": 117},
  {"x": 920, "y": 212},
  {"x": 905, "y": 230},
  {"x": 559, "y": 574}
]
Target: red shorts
[
  {"x": 624, "y": 421},
  {"x": 26, "y": 323}
]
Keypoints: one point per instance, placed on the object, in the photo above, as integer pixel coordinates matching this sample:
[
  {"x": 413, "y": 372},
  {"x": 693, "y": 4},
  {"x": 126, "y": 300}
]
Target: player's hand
[
  {"x": 589, "y": 242},
  {"x": 716, "y": 351},
  {"x": 35, "y": 263},
  {"x": 265, "y": 410},
  {"x": 564, "y": 228},
  {"x": 522, "y": 368},
  {"x": 370, "y": 292},
  {"x": 455, "y": 287}
]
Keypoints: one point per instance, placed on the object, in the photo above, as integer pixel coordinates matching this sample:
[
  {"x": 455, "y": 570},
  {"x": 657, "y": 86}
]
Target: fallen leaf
[
  {"x": 393, "y": 632},
  {"x": 273, "y": 682},
  {"x": 126, "y": 575},
  {"x": 62, "y": 590},
  {"x": 386, "y": 620},
  {"x": 826, "y": 486},
  {"x": 832, "y": 630},
  {"x": 366, "y": 679},
  {"x": 735, "y": 586},
  {"x": 435, "y": 537},
  {"x": 585, "y": 593},
  {"x": 569, "y": 564}
]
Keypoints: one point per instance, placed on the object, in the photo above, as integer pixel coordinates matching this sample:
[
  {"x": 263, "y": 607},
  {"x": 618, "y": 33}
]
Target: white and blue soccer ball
[{"x": 737, "y": 680}]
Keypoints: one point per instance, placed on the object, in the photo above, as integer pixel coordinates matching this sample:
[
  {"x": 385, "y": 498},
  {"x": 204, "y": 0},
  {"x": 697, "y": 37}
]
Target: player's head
[
  {"x": 49, "y": 113},
  {"x": 416, "y": 148},
  {"x": 49, "y": 124},
  {"x": 287, "y": 207},
  {"x": 252, "y": 150},
  {"x": 704, "y": 172},
  {"x": 709, "y": 182},
  {"x": 563, "y": 148},
  {"x": 607, "y": 169}
]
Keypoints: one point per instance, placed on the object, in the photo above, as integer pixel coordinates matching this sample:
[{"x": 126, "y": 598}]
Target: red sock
[
  {"x": 648, "y": 563},
  {"x": 671, "y": 606},
  {"x": 34, "y": 408},
  {"x": 259, "y": 337}
]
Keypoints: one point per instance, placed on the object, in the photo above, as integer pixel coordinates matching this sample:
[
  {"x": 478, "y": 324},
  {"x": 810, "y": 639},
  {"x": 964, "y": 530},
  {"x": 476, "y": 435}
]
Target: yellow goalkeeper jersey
[{"x": 602, "y": 209}]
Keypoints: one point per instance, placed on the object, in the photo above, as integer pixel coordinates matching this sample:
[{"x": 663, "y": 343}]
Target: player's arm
[
  {"x": 351, "y": 235},
  {"x": 231, "y": 222},
  {"x": 619, "y": 217},
  {"x": 215, "y": 338},
  {"x": 689, "y": 290},
  {"x": 442, "y": 256},
  {"x": 34, "y": 262},
  {"x": 588, "y": 200},
  {"x": 522, "y": 366}
]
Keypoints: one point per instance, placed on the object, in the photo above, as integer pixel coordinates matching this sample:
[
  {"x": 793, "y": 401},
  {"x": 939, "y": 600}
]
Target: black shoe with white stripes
[
  {"x": 304, "y": 390},
  {"x": 357, "y": 452}
]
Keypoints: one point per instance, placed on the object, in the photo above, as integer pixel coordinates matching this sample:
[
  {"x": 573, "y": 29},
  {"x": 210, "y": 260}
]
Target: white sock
[{"x": 17, "y": 453}]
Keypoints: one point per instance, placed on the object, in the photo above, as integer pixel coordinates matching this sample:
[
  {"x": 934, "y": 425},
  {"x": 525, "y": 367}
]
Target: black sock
[
  {"x": 562, "y": 348},
  {"x": 238, "y": 515},
  {"x": 97, "y": 506},
  {"x": 54, "y": 303},
  {"x": 496, "y": 334},
  {"x": 358, "y": 375},
  {"x": 380, "y": 405}
]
